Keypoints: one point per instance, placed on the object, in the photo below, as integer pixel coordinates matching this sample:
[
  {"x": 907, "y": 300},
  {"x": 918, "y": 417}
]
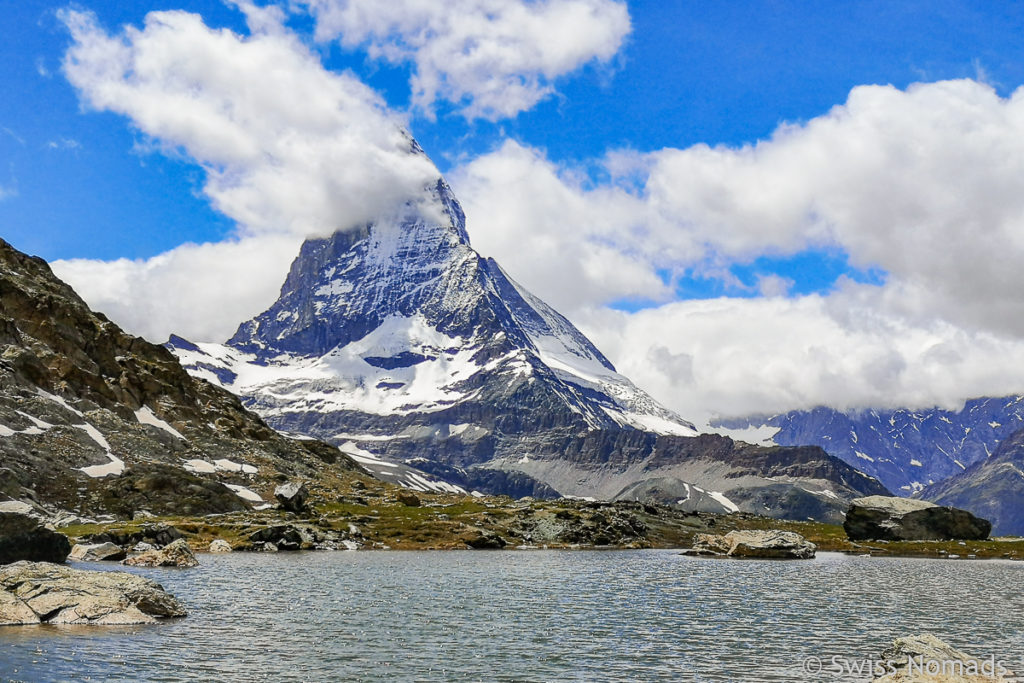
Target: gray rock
[
  {"x": 886, "y": 518},
  {"x": 34, "y": 592},
  {"x": 98, "y": 552},
  {"x": 749, "y": 543},
  {"x": 908, "y": 660},
  {"x": 292, "y": 496},
  {"x": 220, "y": 546},
  {"x": 177, "y": 554},
  {"x": 24, "y": 538}
]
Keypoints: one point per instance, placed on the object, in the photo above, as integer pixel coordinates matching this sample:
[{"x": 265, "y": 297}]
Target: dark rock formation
[
  {"x": 883, "y": 518},
  {"x": 409, "y": 499},
  {"x": 24, "y": 538},
  {"x": 484, "y": 539},
  {"x": 292, "y": 496},
  {"x": 34, "y": 592}
]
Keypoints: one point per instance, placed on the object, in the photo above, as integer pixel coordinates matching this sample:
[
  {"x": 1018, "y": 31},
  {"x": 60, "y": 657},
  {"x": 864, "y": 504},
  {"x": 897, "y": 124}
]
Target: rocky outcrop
[
  {"x": 155, "y": 535},
  {"x": 25, "y": 538},
  {"x": 39, "y": 592},
  {"x": 98, "y": 552},
  {"x": 284, "y": 537},
  {"x": 292, "y": 496},
  {"x": 886, "y": 518},
  {"x": 177, "y": 554},
  {"x": 220, "y": 546},
  {"x": 757, "y": 544},
  {"x": 95, "y": 421},
  {"x": 926, "y": 659}
]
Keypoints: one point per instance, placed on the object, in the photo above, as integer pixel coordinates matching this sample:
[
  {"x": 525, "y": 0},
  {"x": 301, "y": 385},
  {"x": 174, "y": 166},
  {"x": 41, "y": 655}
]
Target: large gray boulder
[
  {"x": 888, "y": 518},
  {"x": 757, "y": 544},
  {"x": 38, "y": 592},
  {"x": 177, "y": 554},
  {"x": 926, "y": 659},
  {"x": 98, "y": 552},
  {"x": 292, "y": 496},
  {"x": 24, "y": 538}
]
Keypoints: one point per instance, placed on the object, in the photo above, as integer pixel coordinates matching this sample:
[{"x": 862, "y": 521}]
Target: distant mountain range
[
  {"x": 968, "y": 458},
  {"x": 404, "y": 347}
]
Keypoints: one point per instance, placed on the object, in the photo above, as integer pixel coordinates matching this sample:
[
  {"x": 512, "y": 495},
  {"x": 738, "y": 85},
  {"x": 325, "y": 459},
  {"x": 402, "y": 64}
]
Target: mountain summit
[{"x": 402, "y": 345}]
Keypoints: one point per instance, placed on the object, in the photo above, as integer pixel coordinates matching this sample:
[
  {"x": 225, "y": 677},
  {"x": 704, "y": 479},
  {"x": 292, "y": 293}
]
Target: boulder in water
[
  {"x": 926, "y": 659},
  {"x": 41, "y": 592},
  {"x": 98, "y": 552},
  {"x": 750, "y": 543},
  {"x": 889, "y": 518}
]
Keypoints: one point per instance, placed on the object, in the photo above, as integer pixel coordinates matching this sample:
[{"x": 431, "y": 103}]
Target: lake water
[{"x": 532, "y": 616}]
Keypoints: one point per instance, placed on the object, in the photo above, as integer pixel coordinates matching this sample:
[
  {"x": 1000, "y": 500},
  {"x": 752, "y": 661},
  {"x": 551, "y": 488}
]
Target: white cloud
[
  {"x": 287, "y": 146},
  {"x": 200, "y": 291},
  {"x": 926, "y": 184},
  {"x": 492, "y": 58},
  {"x": 290, "y": 150},
  {"x": 734, "y": 357}
]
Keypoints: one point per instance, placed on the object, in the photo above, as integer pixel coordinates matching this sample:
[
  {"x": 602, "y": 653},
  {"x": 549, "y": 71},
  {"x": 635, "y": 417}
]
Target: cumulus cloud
[
  {"x": 289, "y": 149},
  {"x": 201, "y": 291},
  {"x": 926, "y": 184},
  {"x": 287, "y": 146},
  {"x": 491, "y": 58}
]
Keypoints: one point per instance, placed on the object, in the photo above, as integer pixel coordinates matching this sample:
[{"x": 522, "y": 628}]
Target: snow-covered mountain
[
  {"x": 906, "y": 450},
  {"x": 399, "y": 342}
]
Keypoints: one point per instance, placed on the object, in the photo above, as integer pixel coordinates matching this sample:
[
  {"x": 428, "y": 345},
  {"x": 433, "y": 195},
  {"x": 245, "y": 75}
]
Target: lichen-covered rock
[
  {"x": 177, "y": 554},
  {"x": 220, "y": 546},
  {"x": 35, "y": 592},
  {"x": 888, "y": 518},
  {"x": 749, "y": 543},
  {"x": 24, "y": 538},
  {"x": 292, "y": 496},
  {"x": 98, "y": 552},
  {"x": 926, "y": 659}
]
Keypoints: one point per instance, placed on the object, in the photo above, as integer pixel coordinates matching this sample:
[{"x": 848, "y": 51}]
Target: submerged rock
[
  {"x": 177, "y": 554},
  {"x": 926, "y": 659},
  {"x": 24, "y": 538},
  {"x": 292, "y": 496},
  {"x": 39, "y": 592},
  {"x": 749, "y": 543},
  {"x": 98, "y": 552},
  {"x": 888, "y": 518}
]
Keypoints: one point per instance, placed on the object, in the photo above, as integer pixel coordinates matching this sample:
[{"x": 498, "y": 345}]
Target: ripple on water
[{"x": 536, "y": 616}]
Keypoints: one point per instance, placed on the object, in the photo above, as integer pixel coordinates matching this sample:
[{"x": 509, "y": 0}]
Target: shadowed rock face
[
  {"x": 94, "y": 420},
  {"x": 882, "y": 518},
  {"x": 39, "y": 592},
  {"x": 24, "y": 538}
]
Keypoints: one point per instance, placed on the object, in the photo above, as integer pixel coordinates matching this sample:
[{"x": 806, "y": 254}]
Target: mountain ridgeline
[{"x": 401, "y": 345}]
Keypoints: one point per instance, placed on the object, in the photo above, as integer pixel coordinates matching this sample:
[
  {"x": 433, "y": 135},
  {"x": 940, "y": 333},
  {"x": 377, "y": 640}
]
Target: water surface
[{"x": 531, "y": 616}]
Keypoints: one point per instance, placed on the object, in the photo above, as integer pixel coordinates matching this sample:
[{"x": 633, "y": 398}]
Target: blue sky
[
  {"x": 690, "y": 72},
  {"x": 702, "y": 163}
]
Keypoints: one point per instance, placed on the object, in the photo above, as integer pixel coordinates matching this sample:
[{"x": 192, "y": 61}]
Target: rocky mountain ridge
[{"x": 94, "y": 421}]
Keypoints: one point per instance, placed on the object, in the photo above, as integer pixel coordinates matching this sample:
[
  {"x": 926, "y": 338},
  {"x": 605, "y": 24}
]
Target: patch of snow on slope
[
  {"x": 245, "y": 494},
  {"x": 147, "y": 417}
]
